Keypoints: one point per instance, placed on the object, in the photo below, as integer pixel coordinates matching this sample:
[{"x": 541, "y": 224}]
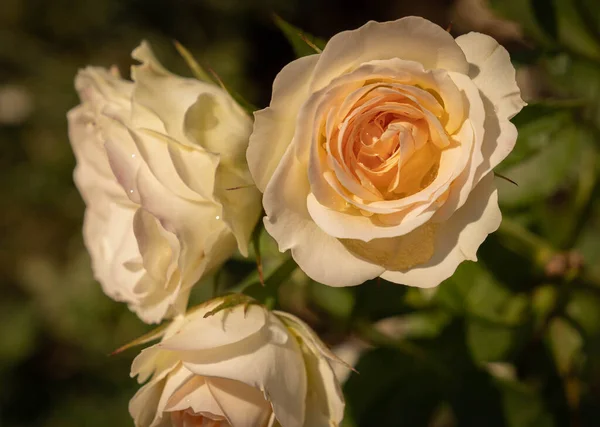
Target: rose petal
[
  {"x": 491, "y": 70},
  {"x": 344, "y": 225},
  {"x": 220, "y": 329},
  {"x": 319, "y": 255},
  {"x": 325, "y": 399},
  {"x": 164, "y": 94},
  {"x": 457, "y": 239},
  {"x": 142, "y": 406},
  {"x": 411, "y": 38},
  {"x": 274, "y": 125},
  {"x": 242, "y": 405},
  {"x": 153, "y": 246},
  {"x": 184, "y": 390},
  {"x": 269, "y": 360}
]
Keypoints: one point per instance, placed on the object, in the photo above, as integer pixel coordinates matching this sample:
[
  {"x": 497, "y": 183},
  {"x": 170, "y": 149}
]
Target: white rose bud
[
  {"x": 240, "y": 367},
  {"x": 375, "y": 156},
  {"x": 155, "y": 160}
]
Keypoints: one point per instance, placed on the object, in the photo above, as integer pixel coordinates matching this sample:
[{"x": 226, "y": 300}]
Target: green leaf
[
  {"x": 212, "y": 77},
  {"x": 424, "y": 324},
  {"x": 391, "y": 390},
  {"x": 379, "y": 298},
  {"x": 304, "y": 44},
  {"x": 153, "y": 335},
  {"x": 196, "y": 68},
  {"x": 544, "y": 172},
  {"x": 543, "y": 303},
  {"x": 584, "y": 308},
  {"x": 18, "y": 329},
  {"x": 494, "y": 315},
  {"x": 536, "y": 21},
  {"x": 338, "y": 302},
  {"x": 473, "y": 292},
  {"x": 489, "y": 343},
  {"x": 267, "y": 293},
  {"x": 591, "y": 13},
  {"x": 565, "y": 342},
  {"x": 588, "y": 243},
  {"x": 523, "y": 406},
  {"x": 572, "y": 30},
  {"x": 576, "y": 77}
]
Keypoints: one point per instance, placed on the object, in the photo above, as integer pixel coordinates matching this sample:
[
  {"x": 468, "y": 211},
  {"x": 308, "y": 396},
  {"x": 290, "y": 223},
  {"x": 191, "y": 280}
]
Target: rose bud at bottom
[{"x": 241, "y": 367}]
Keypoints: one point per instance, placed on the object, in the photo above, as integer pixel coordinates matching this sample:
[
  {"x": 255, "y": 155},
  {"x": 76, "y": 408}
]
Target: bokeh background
[{"x": 510, "y": 341}]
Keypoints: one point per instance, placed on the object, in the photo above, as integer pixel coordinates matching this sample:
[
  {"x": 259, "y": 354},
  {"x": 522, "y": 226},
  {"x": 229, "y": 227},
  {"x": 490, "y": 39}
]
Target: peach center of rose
[
  {"x": 388, "y": 144},
  {"x": 188, "y": 419}
]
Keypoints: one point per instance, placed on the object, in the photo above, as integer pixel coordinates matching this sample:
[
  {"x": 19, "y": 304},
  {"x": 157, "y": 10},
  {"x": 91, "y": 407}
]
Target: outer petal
[
  {"x": 274, "y": 126},
  {"x": 166, "y": 95},
  {"x": 269, "y": 360},
  {"x": 120, "y": 251},
  {"x": 196, "y": 225},
  {"x": 491, "y": 70},
  {"x": 220, "y": 329},
  {"x": 153, "y": 245},
  {"x": 478, "y": 164},
  {"x": 325, "y": 399},
  {"x": 93, "y": 169},
  {"x": 143, "y": 404},
  {"x": 243, "y": 406},
  {"x": 457, "y": 239},
  {"x": 410, "y": 38},
  {"x": 319, "y": 255},
  {"x": 100, "y": 86}
]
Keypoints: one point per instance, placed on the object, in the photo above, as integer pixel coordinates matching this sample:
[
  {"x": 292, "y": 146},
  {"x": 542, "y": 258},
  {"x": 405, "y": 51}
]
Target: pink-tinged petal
[
  {"x": 457, "y": 239},
  {"x": 99, "y": 86}
]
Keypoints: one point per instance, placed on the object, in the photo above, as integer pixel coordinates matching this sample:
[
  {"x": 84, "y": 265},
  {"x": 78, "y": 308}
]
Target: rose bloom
[
  {"x": 375, "y": 156},
  {"x": 155, "y": 159},
  {"x": 241, "y": 367}
]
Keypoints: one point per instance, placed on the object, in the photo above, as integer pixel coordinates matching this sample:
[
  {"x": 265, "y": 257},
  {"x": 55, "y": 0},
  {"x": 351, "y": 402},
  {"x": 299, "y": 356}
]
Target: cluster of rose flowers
[{"x": 373, "y": 159}]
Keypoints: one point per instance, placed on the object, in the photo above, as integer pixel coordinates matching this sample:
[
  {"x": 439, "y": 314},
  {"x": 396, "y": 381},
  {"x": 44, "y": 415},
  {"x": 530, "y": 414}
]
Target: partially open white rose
[
  {"x": 155, "y": 159},
  {"x": 240, "y": 367},
  {"x": 375, "y": 156}
]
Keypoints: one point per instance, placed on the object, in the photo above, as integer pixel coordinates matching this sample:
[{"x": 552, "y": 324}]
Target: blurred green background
[{"x": 513, "y": 340}]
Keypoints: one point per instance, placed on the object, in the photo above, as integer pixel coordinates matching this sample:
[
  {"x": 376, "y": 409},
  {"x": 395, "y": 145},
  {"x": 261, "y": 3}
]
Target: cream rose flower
[
  {"x": 155, "y": 158},
  {"x": 375, "y": 156},
  {"x": 240, "y": 367}
]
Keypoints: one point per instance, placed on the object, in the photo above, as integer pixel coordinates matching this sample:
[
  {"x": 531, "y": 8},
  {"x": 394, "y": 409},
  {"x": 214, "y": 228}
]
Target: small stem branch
[
  {"x": 535, "y": 248},
  {"x": 282, "y": 272}
]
